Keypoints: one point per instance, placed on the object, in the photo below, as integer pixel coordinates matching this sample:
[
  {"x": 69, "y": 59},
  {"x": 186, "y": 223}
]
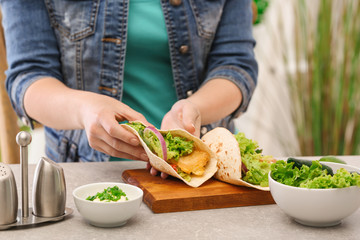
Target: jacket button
[
  {"x": 203, "y": 130},
  {"x": 25, "y": 121},
  {"x": 189, "y": 93},
  {"x": 184, "y": 49},
  {"x": 175, "y": 2}
]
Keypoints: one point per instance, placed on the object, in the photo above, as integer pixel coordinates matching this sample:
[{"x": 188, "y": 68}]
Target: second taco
[{"x": 240, "y": 162}]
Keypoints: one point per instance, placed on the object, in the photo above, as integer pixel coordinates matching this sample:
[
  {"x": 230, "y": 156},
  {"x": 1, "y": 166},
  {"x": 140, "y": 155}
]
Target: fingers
[
  {"x": 113, "y": 152},
  {"x": 129, "y": 114},
  {"x": 115, "y": 130},
  {"x": 184, "y": 114},
  {"x": 125, "y": 151},
  {"x": 148, "y": 166},
  {"x": 100, "y": 140},
  {"x": 191, "y": 117},
  {"x": 163, "y": 175},
  {"x": 100, "y": 119},
  {"x": 169, "y": 122},
  {"x": 154, "y": 172}
]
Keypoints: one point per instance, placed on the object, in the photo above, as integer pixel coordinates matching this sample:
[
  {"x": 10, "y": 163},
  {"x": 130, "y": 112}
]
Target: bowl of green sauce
[
  {"x": 107, "y": 204},
  {"x": 317, "y": 194}
]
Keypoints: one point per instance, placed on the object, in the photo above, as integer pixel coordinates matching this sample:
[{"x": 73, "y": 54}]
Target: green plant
[
  {"x": 325, "y": 82},
  {"x": 261, "y": 6}
]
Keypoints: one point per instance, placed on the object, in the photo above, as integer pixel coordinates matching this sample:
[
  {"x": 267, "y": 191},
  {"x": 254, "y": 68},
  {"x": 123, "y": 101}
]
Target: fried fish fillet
[{"x": 194, "y": 163}]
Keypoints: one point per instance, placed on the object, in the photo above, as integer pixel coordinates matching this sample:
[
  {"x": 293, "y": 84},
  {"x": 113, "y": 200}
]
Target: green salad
[
  {"x": 313, "y": 176},
  {"x": 110, "y": 194},
  {"x": 255, "y": 165}
]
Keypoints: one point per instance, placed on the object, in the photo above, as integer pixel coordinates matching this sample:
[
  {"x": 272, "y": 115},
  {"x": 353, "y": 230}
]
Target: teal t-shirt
[{"x": 148, "y": 80}]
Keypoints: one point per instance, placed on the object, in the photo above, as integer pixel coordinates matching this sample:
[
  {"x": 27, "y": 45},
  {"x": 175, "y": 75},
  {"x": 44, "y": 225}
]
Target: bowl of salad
[
  {"x": 313, "y": 193},
  {"x": 107, "y": 204}
]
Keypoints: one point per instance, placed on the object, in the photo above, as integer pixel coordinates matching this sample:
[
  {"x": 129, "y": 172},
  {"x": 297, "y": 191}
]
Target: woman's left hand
[{"x": 185, "y": 115}]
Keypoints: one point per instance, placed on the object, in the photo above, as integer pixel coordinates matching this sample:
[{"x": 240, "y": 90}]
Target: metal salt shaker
[
  {"x": 49, "y": 189},
  {"x": 8, "y": 196}
]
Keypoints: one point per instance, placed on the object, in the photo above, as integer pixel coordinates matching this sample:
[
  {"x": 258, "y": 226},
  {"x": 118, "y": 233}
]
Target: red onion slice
[
  {"x": 244, "y": 168},
  {"x": 161, "y": 140}
]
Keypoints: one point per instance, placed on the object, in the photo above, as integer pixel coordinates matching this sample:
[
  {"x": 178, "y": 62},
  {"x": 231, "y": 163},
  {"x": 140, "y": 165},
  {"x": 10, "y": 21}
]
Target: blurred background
[
  {"x": 307, "y": 101},
  {"x": 308, "y": 97}
]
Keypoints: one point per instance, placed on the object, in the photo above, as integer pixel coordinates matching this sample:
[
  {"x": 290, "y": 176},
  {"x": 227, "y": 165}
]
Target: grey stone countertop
[{"x": 255, "y": 222}]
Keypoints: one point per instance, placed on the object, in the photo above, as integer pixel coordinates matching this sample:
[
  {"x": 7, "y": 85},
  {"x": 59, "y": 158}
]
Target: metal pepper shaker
[
  {"x": 49, "y": 189},
  {"x": 8, "y": 196}
]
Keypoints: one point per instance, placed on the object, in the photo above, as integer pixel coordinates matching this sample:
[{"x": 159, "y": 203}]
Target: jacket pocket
[
  {"x": 73, "y": 19},
  {"x": 62, "y": 145},
  {"x": 207, "y": 15}
]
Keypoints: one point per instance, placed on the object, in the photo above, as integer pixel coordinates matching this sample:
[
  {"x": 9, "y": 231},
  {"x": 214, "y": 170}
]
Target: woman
[{"x": 81, "y": 67}]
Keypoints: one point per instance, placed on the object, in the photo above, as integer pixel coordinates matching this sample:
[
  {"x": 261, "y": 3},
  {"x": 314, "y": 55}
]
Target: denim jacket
[{"x": 83, "y": 44}]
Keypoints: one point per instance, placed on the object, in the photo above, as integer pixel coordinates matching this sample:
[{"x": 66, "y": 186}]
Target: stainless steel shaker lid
[{"x": 5, "y": 171}]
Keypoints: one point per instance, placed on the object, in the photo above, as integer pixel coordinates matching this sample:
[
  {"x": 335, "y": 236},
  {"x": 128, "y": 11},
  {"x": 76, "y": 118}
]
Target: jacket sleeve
[
  {"x": 32, "y": 50},
  {"x": 232, "y": 56}
]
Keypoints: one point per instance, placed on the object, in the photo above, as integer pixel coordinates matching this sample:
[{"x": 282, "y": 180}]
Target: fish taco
[
  {"x": 240, "y": 162},
  {"x": 176, "y": 152}
]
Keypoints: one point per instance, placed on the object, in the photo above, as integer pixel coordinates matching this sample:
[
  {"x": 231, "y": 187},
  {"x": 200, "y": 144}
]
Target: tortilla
[
  {"x": 223, "y": 143},
  {"x": 161, "y": 165}
]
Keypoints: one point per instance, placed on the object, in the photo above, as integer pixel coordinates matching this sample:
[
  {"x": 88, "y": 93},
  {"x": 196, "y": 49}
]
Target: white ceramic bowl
[
  {"x": 317, "y": 207},
  {"x": 107, "y": 214}
]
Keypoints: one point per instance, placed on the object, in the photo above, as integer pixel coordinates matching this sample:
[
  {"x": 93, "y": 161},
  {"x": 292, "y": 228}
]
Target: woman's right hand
[
  {"x": 55, "y": 105},
  {"x": 100, "y": 116}
]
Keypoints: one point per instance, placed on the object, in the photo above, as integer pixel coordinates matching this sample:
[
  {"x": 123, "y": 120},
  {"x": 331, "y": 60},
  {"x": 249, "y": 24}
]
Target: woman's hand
[
  {"x": 184, "y": 115},
  {"x": 100, "y": 116}
]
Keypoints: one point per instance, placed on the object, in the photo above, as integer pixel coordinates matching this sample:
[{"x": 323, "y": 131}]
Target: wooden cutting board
[{"x": 173, "y": 195}]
